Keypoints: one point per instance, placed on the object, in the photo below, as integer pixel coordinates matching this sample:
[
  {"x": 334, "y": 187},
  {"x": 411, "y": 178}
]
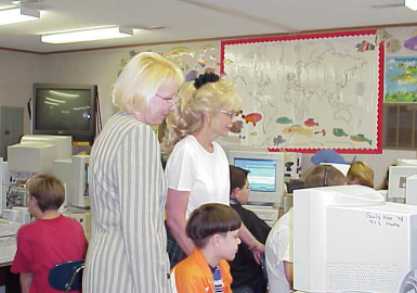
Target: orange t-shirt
[{"x": 193, "y": 275}]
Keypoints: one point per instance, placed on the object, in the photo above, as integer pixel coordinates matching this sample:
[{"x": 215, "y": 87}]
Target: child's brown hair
[
  {"x": 323, "y": 175},
  {"x": 238, "y": 177},
  {"x": 210, "y": 219},
  {"x": 48, "y": 191}
]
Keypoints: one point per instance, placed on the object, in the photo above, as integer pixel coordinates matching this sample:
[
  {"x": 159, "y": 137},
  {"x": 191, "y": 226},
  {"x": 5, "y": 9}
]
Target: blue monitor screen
[{"x": 262, "y": 173}]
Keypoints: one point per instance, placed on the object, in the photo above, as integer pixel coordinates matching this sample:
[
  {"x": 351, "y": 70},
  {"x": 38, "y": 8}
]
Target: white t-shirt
[
  {"x": 192, "y": 168},
  {"x": 279, "y": 248}
]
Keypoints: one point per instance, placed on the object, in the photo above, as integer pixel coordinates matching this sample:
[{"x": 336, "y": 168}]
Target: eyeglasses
[
  {"x": 170, "y": 99},
  {"x": 230, "y": 114}
]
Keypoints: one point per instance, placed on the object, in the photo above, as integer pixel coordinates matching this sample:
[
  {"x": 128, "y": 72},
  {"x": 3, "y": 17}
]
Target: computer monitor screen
[
  {"x": 262, "y": 173},
  {"x": 60, "y": 109},
  {"x": 266, "y": 174}
]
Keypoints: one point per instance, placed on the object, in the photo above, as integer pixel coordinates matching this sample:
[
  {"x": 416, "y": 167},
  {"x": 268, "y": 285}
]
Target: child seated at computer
[
  {"x": 246, "y": 271},
  {"x": 278, "y": 248},
  {"x": 214, "y": 229},
  {"x": 49, "y": 240},
  {"x": 360, "y": 173}
]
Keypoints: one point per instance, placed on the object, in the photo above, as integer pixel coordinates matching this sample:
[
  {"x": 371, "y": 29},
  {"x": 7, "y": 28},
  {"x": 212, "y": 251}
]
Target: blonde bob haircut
[
  {"x": 141, "y": 78},
  {"x": 360, "y": 173},
  {"x": 193, "y": 104}
]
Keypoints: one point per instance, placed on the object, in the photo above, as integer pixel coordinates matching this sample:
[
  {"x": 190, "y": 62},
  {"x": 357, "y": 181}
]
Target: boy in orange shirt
[{"x": 214, "y": 230}]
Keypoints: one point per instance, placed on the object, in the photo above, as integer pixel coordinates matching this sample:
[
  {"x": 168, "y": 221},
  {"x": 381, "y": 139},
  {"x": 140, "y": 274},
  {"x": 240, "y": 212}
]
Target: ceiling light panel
[
  {"x": 87, "y": 35},
  {"x": 15, "y": 15}
]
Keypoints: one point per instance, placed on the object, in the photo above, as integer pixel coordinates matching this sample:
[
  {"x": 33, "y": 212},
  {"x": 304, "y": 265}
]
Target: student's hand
[{"x": 258, "y": 250}]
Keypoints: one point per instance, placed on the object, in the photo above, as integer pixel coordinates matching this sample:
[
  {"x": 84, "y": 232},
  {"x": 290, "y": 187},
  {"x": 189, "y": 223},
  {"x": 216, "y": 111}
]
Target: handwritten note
[{"x": 385, "y": 220}]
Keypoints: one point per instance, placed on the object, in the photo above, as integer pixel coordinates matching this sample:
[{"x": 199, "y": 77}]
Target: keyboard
[
  {"x": 8, "y": 249},
  {"x": 8, "y": 228}
]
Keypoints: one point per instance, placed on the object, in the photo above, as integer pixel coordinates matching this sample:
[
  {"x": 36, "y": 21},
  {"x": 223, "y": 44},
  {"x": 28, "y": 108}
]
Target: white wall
[
  {"x": 18, "y": 72},
  {"x": 92, "y": 67}
]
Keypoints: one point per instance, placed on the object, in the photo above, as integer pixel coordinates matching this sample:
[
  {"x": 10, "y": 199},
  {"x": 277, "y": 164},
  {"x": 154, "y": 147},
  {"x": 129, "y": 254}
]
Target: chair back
[{"x": 67, "y": 276}]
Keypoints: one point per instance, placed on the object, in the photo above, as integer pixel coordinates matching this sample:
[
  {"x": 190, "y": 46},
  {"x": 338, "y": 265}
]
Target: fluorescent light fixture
[
  {"x": 411, "y": 4},
  {"x": 14, "y": 15},
  {"x": 91, "y": 34}
]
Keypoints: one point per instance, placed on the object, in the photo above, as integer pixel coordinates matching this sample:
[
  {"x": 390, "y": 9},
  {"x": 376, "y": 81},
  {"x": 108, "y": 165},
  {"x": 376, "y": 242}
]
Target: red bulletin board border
[{"x": 309, "y": 36}]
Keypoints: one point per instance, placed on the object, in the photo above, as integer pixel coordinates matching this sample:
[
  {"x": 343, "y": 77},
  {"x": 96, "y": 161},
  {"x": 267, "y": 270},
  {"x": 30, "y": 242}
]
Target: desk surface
[{"x": 8, "y": 231}]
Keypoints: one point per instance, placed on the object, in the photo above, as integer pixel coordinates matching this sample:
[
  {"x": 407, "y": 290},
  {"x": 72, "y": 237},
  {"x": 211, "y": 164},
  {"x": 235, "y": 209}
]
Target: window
[{"x": 400, "y": 129}]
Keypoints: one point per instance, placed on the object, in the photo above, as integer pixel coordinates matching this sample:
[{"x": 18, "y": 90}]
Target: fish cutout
[
  {"x": 365, "y": 46},
  {"x": 297, "y": 129},
  {"x": 411, "y": 43},
  {"x": 310, "y": 122},
  {"x": 322, "y": 132},
  {"x": 252, "y": 118},
  {"x": 339, "y": 132},
  {"x": 236, "y": 126},
  {"x": 284, "y": 120},
  {"x": 360, "y": 138},
  {"x": 277, "y": 140}
]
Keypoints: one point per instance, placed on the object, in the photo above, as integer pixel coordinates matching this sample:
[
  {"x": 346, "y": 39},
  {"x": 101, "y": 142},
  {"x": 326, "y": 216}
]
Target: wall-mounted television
[{"x": 62, "y": 109}]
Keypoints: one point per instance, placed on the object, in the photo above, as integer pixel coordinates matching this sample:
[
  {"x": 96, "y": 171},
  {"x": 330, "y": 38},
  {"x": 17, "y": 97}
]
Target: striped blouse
[{"x": 127, "y": 187}]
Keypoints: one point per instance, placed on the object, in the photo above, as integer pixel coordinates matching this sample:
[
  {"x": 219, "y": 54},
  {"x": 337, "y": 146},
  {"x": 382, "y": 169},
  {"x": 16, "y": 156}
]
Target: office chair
[{"x": 67, "y": 276}]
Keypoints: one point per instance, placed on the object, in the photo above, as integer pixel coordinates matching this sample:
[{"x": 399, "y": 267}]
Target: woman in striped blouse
[{"x": 127, "y": 252}]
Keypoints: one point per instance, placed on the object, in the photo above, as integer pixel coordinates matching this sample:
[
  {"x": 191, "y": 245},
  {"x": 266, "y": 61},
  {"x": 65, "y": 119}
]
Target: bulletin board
[{"x": 309, "y": 92}]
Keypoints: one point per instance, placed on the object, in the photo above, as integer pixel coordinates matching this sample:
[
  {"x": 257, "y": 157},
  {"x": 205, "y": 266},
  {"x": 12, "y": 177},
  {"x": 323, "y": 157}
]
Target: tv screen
[
  {"x": 262, "y": 173},
  {"x": 63, "y": 109}
]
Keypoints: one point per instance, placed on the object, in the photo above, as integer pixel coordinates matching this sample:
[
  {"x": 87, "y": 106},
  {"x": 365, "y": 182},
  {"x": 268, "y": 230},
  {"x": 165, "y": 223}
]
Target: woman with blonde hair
[
  {"x": 360, "y": 173},
  {"x": 127, "y": 252},
  {"x": 197, "y": 168}
]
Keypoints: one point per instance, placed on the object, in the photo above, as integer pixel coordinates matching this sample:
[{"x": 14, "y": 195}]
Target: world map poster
[{"x": 308, "y": 92}]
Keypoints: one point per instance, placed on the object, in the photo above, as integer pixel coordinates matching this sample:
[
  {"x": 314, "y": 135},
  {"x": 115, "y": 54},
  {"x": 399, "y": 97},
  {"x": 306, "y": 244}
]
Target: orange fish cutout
[{"x": 252, "y": 118}]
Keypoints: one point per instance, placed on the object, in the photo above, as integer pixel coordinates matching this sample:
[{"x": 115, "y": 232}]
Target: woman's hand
[{"x": 258, "y": 250}]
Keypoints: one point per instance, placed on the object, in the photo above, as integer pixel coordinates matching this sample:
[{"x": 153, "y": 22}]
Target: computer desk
[{"x": 8, "y": 249}]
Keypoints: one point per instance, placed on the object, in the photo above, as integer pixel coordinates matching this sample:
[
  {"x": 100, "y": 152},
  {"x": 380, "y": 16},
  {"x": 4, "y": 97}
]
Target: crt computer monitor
[
  {"x": 397, "y": 181},
  {"x": 266, "y": 174},
  {"x": 348, "y": 239},
  {"x": 64, "y": 109}
]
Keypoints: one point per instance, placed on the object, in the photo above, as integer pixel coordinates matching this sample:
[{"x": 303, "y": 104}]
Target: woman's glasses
[{"x": 229, "y": 114}]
